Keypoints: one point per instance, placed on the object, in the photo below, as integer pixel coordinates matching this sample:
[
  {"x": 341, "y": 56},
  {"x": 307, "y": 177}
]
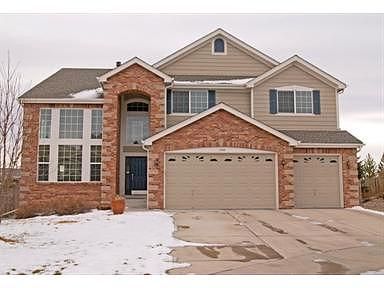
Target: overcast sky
[{"x": 350, "y": 47}]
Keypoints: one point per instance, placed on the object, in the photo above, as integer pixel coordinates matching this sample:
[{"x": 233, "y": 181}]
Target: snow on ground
[
  {"x": 88, "y": 94},
  {"x": 379, "y": 272},
  {"x": 359, "y": 208},
  {"x": 90, "y": 243}
]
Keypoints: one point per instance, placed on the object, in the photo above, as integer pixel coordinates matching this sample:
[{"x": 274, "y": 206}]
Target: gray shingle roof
[
  {"x": 329, "y": 137},
  {"x": 66, "y": 81}
]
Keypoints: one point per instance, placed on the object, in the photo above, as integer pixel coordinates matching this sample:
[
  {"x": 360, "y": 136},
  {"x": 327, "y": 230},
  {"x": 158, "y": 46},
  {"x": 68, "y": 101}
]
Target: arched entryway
[{"x": 134, "y": 127}]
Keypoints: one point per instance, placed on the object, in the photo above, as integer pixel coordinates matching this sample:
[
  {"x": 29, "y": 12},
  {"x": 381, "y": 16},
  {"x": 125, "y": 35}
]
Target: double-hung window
[
  {"x": 43, "y": 163},
  {"x": 95, "y": 163},
  {"x": 295, "y": 101},
  {"x": 189, "y": 102}
]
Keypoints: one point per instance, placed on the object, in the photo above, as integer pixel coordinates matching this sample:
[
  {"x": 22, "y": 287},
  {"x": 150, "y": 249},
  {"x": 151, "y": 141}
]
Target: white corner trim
[
  {"x": 61, "y": 101},
  {"x": 135, "y": 60},
  {"x": 208, "y": 37},
  {"x": 220, "y": 106},
  {"x": 252, "y": 103},
  {"x": 220, "y": 150},
  {"x": 329, "y": 145},
  {"x": 295, "y": 58}
]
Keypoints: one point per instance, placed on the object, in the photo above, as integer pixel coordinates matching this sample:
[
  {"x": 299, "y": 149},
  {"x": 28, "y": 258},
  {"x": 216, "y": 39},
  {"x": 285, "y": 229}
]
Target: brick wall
[
  {"x": 37, "y": 196},
  {"x": 349, "y": 167},
  {"x": 134, "y": 79},
  {"x": 220, "y": 129}
]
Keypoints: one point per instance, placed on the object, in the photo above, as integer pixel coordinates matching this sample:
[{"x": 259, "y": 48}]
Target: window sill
[
  {"x": 182, "y": 114},
  {"x": 296, "y": 114},
  {"x": 68, "y": 182}
]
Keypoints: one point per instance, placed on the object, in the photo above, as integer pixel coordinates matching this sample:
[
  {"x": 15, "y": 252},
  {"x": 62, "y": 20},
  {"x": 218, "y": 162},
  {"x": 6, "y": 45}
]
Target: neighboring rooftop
[
  {"x": 326, "y": 137},
  {"x": 65, "y": 82}
]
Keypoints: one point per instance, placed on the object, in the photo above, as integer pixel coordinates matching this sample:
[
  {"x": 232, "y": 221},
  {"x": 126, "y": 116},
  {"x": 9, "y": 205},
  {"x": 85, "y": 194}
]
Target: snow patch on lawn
[
  {"x": 300, "y": 217},
  {"x": 88, "y": 94},
  {"x": 378, "y": 272},
  {"x": 359, "y": 208},
  {"x": 90, "y": 243}
]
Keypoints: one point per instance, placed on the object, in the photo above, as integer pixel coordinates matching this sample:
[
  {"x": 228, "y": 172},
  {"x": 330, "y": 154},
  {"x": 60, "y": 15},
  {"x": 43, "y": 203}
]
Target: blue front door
[{"x": 135, "y": 174}]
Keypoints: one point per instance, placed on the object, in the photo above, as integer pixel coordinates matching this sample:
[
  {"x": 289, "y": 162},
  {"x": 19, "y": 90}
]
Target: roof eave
[{"x": 61, "y": 101}]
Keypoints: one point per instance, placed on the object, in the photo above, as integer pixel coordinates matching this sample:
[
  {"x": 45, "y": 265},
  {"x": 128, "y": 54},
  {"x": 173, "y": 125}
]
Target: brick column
[{"x": 111, "y": 147}]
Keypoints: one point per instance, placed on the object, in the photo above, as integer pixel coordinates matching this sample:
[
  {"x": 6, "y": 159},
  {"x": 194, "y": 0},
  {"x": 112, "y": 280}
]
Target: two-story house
[{"x": 215, "y": 125}]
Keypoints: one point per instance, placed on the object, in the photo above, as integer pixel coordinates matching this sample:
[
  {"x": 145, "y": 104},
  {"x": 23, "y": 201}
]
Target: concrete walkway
[{"x": 305, "y": 241}]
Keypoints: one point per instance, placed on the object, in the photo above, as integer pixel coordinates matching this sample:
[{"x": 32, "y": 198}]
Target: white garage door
[
  {"x": 220, "y": 181},
  {"x": 317, "y": 181}
]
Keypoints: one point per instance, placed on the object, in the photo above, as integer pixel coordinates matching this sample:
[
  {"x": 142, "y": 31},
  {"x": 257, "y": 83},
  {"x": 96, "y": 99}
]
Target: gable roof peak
[
  {"x": 219, "y": 31},
  {"x": 130, "y": 62},
  {"x": 297, "y": 59}
]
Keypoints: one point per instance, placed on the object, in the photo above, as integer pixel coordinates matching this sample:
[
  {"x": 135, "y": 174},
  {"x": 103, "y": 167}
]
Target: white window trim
[
  {"x": 294, "y": 89},
  {"x": 102, "y": 119},
  {"x": 189, "y": 103},
  {"x": 50, "y": 124},
  {"x": 213, "y": 47},
  {"x": 91, "y": 163},
  {"x": 55, "y": 141},
  {"x": 39, "y": 162}
]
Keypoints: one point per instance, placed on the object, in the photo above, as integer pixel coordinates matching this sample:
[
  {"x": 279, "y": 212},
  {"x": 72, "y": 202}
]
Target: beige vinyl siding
[
  {"x": 295, "y": 75},
  {"x": 239, "y": 99},
  {"x": 232, "y": 181},
  {"x": 174, "y": 119},
  {"x": 202, "y": 62}
]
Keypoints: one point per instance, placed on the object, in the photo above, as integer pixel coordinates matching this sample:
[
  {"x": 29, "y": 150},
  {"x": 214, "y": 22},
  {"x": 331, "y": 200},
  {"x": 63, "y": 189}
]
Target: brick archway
[{"x": 134, "y": 79}]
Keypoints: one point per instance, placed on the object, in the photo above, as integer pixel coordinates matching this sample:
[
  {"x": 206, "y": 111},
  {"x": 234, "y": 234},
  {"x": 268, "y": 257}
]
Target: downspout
[
  {"x": 252, "y": 102},
  {"x": 146, "y": 150}
]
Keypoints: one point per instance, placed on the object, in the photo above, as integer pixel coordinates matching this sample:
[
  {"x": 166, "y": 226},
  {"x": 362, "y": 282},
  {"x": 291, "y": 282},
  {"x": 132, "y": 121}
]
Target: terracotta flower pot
[{"x": 118, "y": 205}]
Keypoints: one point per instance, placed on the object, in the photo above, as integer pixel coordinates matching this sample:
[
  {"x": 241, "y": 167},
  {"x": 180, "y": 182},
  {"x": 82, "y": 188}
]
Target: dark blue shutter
[
  {"x": 316, "y": 101},
  {"x": 169, "y": 101},
  {"x": 211, "y": 98},
  {"x": 273, "y": 101}
]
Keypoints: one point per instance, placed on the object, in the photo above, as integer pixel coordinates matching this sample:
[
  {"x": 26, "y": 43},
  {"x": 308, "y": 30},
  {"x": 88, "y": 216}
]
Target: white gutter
[
  {"x": 61, "y": 101},
  {"x": 328, "y": 145}
]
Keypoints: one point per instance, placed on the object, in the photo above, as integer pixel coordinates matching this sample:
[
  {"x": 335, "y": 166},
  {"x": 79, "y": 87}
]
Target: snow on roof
[
  {"x": 215, "y": 82},
  {"x": 88, "y": 94}
]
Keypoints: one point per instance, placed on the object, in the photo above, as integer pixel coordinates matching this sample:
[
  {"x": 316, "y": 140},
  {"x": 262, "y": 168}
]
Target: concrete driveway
[{"x": 305, "y": 241}]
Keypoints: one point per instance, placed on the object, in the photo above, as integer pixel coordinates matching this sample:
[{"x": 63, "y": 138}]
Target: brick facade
[
  {"x": 220, "y": 129},
  {"x": 134, "y": 79},
  {"x": 39, "y": 196}
]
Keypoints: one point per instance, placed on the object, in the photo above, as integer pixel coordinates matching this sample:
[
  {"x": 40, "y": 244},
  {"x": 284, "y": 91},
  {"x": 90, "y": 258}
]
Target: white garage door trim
[
  {"x": 224, "y": 150},
  {"x": 340, "y": 158}
]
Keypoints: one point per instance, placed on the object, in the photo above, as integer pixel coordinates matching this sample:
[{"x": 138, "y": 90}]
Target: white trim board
[
  {"x": 220, "y": 150},
  {"x": 209, "y": 36},
  {"x": 340, "y": 85},
  {"x": 220, "y": 106},
  {"x": 138, "y": 61},
  {"x": 61, "y": 101}
]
